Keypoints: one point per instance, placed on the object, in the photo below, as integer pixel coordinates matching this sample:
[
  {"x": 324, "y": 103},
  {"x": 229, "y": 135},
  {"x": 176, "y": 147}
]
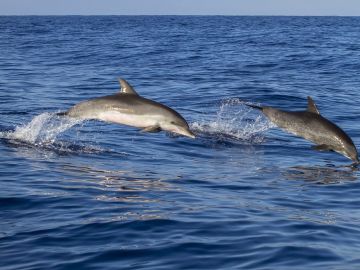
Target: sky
[{"x": 180, "y": 7}]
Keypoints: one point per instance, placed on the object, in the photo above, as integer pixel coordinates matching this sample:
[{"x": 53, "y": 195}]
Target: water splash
[
  {"x": 41, "y": 130},
  {"x": 42, "y": 133},
  {"x": 234, "y": 121}
]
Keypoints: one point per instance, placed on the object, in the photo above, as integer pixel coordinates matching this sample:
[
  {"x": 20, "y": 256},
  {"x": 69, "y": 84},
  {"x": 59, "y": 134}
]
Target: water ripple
[{"x": 242, "y": 195}]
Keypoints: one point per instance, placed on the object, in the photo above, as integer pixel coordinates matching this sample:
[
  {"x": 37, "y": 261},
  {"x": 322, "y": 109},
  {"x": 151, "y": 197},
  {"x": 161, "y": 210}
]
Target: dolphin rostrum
[
  {"x": 128, "y": 108},
  {"x": 311, "y": 126}
]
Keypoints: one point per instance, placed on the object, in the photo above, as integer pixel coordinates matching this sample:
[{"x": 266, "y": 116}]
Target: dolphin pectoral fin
[
  {"x": 152, "y": 129},
  {"x": 322, "y": 147},
  {"x": 312, "y": 106}
]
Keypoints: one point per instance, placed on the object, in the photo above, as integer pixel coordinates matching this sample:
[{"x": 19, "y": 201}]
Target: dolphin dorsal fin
[
  {"x": 312, "y": 107},
  {"x": 126, "y": 88}
]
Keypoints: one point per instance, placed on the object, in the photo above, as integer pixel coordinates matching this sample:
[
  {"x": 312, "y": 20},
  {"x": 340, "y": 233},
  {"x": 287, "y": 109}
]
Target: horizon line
[{"x": 195, "y": 15}]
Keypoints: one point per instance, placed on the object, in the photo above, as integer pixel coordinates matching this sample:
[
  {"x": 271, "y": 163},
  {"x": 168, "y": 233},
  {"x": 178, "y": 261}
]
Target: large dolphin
[
  {"x": 128, "y": 108},
  {"x": 311, "y": 126}
]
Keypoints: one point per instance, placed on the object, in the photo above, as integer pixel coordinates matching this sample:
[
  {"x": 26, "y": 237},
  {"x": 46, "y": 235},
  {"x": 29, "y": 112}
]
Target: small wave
[
  {"x": 42, "y": 132},
  {"x": 234, "y": 121}
]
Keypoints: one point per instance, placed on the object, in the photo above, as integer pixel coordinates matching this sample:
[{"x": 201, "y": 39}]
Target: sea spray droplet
[
  {"x": 42, "y": 129},
  {"x": 236, "y": 121}
]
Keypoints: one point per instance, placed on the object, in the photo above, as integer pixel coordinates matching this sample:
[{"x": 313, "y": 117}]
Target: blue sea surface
[{"x": 242, "y": 195}]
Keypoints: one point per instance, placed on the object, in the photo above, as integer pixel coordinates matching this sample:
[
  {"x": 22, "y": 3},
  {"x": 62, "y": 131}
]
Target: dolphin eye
[{"x": 172, "y": 122}]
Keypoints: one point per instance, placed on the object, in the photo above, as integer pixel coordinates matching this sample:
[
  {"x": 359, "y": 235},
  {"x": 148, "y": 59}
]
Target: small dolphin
[
  {"x": 311, "y": 126},
  {"x": 128, "y": 108}
]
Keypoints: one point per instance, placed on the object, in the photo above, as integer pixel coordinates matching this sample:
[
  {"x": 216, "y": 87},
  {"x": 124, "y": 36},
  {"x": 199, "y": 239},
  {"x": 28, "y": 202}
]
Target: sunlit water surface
[{"x": 242, "y": 195}]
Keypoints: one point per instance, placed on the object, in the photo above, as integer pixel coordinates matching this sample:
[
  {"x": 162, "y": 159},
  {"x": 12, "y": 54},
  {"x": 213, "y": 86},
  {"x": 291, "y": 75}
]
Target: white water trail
[
  {"x": 41, "y": 130},
  {"x": 235, "y": 120}
]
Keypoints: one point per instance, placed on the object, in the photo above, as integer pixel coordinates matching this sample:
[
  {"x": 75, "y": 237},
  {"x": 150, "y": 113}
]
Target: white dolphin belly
[{"x": 136, "y": 120}]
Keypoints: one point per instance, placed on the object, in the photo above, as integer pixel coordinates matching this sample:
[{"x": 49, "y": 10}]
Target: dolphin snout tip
[
  {"x": 356, "y": 161},
  {"x": 191, "y": 135},
  {"x": 188, "y": 133}
]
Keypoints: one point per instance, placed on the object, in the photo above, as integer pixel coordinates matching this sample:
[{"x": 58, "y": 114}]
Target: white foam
[
  {"x": 234, "y": 120},
  {"x": 41, "y": 130}
]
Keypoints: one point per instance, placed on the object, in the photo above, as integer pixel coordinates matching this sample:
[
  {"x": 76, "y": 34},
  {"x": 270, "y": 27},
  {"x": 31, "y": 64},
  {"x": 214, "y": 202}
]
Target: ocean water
[{"x": 242, "y": 195}]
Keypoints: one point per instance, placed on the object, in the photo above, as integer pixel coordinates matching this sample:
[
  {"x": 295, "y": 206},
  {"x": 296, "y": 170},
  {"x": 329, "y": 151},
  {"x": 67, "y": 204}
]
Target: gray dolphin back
[{"x": 312, "y": 126}]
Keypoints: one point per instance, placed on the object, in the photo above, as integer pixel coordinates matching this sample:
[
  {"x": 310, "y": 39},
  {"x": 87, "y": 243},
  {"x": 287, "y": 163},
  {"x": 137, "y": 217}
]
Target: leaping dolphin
[
  {"x": 311, "y": 126},
  {"x": 128, "y": 108}
]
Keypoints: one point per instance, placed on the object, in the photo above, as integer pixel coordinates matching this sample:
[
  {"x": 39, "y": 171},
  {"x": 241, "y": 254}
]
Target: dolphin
[
  {"x": 311, "y": 126},
  {"x": 127, "y": 107}
]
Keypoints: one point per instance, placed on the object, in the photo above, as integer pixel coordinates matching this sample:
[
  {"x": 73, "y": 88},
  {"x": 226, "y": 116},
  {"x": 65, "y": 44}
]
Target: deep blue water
[{"x": 242, "y": 195}]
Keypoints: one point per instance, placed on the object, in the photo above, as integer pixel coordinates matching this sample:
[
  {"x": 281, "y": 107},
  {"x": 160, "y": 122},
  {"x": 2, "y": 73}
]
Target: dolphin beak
[
  {"x": 186, "y": 133},
  {"x": 189, "y": 133},
  {"x": 183, "y": 130}
]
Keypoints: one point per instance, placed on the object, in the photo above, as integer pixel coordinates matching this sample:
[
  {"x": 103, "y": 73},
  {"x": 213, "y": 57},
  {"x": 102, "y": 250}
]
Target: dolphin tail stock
[
  {"x": 249, "y": 104},
  {"x": 254, "y": 106},
  {"x": 62, "y": 113}
]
